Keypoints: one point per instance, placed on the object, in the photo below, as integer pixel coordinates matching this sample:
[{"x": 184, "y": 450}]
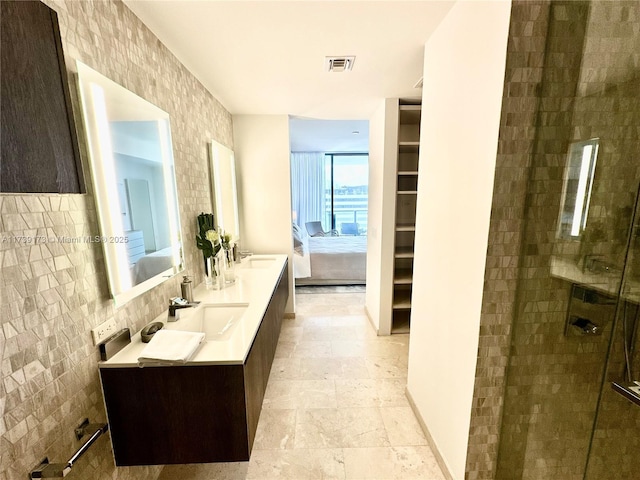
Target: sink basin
[
  {"x": 260, "y": 262},
  {"x": 218, "y": 322}
]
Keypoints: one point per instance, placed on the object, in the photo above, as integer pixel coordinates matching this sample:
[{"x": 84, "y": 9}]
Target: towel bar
[{"x": 59, "y": 470}]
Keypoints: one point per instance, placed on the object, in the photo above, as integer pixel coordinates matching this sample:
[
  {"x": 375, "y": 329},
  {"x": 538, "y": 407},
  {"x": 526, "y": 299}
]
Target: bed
[
  {"x": 152, "y": 264},
  {"x": 331, "y": 260}
]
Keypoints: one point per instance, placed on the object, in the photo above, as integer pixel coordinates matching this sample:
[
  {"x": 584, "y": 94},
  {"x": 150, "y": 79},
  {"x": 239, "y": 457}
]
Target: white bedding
[
  {"x": 302, "y": 262},
  {"x": 332, "y": 259},
  {"x": 152, "y": 264},
  {"x": 338, "y": 245}
]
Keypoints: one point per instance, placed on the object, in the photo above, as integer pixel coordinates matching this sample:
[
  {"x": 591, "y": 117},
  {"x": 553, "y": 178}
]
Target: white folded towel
[{"x": 170, "y": 347}]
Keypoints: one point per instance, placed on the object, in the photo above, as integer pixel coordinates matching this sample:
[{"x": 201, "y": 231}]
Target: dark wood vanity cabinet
[{"x": 193, "y": 414}]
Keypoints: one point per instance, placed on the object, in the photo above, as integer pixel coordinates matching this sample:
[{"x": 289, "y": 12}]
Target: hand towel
[{"x": 170, "y": 347}]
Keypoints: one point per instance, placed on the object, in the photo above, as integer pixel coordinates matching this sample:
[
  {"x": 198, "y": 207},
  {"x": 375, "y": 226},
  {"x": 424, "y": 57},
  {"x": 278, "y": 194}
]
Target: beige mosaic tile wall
[
  {"x": 53, "y": 293},
  {"x": 552, "y": 380},
  {"x": 525, "y": 61},
  {"x": 589, "y": 88}
]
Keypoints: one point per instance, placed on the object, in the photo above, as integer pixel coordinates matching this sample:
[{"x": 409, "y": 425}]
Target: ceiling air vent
[{"x": 339, "y": 64}]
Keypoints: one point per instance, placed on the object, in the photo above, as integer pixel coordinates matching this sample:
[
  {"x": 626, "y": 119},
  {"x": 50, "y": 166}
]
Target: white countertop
[{"x": 253, "y": 286}]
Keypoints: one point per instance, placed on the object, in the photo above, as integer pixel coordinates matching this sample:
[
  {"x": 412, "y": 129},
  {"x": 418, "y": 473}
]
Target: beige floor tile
[
  {"x": 285, "y": 349},
  {"x": 331, "y": 299},
  {"x": 357, "y": 393},
  {"x": 346, "y": 427},
  {"x": 360, "y": 321},
  {"x": 395, "y": 463},
  {"x": 300, "y": 464},
  {"x": 312, "y": 349},
  {"x": 392, "y": 392},
  {"x": 339, "y": 389},
  {"x": 382, "y": 392},
  {"x": 296, "y": 321},
  {"x": 206, "y": 471},
  {"x": 285, "y": 368},
  {"x": 402, "y": 426},
  {"x": 332, "y": 332},
  {"x": 291, "y": 334},
  {"x": 327, "y": 368},
  {"x": 400, "y": 338},
  {"x": 330, "y": 309},
  {"x": 379, "y": 347},
  {"x": 290, "y": 394},
  {"x": 276, "y": 430},
  {"x": 387, "y": 367}
]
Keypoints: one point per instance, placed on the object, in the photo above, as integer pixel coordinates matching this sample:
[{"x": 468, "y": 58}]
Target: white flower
[{"x": 213, "y": 237}]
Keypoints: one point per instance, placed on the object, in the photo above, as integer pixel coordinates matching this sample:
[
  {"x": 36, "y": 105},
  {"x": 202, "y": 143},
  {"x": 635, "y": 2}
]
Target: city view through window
[{"x": 346, "y": 193}]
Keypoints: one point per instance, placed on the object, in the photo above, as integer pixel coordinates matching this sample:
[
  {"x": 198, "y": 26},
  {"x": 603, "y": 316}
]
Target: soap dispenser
[{"x": 186, "y": 289}]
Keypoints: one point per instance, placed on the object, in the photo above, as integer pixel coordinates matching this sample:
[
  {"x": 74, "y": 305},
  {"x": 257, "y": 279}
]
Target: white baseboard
[{"x": 434, "y": 447}]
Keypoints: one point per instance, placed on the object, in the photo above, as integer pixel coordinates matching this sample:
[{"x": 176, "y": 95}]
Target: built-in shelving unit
[{"x": 405, "y": 215}]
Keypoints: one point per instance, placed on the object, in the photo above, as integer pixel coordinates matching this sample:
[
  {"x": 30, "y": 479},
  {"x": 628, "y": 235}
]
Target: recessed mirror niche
[{"x": 133, "y": 176}]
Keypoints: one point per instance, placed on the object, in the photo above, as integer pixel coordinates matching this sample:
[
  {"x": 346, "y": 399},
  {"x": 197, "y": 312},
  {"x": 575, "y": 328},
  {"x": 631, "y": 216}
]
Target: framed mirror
[
  {"x": 225, "y": 195},
  {"x": 132, "y": 170}
]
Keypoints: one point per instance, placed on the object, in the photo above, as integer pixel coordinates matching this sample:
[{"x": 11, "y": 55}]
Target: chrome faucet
[{"x": 178, "y": 303}]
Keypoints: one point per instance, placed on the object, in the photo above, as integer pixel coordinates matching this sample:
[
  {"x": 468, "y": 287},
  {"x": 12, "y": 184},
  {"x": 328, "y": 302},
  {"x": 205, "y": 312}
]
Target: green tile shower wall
[
  {"x": 52, "y": 294},
  {"x": 588, "y": 87}
]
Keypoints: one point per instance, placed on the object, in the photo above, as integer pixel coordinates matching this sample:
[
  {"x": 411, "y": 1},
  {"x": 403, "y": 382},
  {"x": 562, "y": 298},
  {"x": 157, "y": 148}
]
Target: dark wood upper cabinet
[{"x": 39, "y": 152}]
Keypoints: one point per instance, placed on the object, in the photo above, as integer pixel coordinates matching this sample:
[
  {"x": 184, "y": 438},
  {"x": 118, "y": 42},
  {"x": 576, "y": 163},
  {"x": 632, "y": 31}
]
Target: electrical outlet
[{"x": 104, "y": 330}]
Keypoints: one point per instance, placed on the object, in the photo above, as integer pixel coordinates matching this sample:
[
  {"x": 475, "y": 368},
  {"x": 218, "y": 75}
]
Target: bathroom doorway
[{"x": 329, "y": 185}]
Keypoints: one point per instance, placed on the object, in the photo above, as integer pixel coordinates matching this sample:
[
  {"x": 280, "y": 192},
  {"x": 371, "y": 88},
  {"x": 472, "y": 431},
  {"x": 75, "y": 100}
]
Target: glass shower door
[
  {"x": 615, "y": 442},
  {"x": 578, "y": 288}
]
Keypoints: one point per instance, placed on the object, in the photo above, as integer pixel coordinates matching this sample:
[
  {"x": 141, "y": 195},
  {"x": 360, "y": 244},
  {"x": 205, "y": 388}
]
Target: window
[{"x": 346, "y": 192}]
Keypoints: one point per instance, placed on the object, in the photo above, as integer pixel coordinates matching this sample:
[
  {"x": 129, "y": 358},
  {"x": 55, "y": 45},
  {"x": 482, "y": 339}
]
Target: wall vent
[{"x": 339, "y": 64}]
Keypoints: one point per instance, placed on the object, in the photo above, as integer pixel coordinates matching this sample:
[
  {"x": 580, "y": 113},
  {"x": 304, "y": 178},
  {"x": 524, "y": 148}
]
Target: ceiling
[
  {"x": 330, "y": 136},
  {"x": 267, "y": 57}
]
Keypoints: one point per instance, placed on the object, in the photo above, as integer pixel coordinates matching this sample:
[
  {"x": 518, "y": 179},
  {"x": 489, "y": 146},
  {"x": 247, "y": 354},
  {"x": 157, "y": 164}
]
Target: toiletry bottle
[{"x": 186, "y": 289}]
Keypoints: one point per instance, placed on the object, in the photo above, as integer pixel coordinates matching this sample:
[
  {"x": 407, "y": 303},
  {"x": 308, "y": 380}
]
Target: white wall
[
  {"x": 464, "y": 64},
  {"x": 261, "y": 146},
  {"x": 383, "y": 127}
]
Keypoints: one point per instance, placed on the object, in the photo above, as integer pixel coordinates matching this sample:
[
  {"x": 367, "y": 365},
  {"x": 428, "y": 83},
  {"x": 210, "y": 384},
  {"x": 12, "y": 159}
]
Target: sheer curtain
[{"x": 307, "y": 187}]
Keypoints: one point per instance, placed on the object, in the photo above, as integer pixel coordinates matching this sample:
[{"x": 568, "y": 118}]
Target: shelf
[
  {"x": 403, "y": 277},
  {"x": 410, "y": 114},
  {"x": 403, "y": 252},
  {"x": 409, "y": 148},
  {"x": 400, "y": 326},
  {"x": 406, "y": 227},
  {"x": 402, "y": 300}
]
